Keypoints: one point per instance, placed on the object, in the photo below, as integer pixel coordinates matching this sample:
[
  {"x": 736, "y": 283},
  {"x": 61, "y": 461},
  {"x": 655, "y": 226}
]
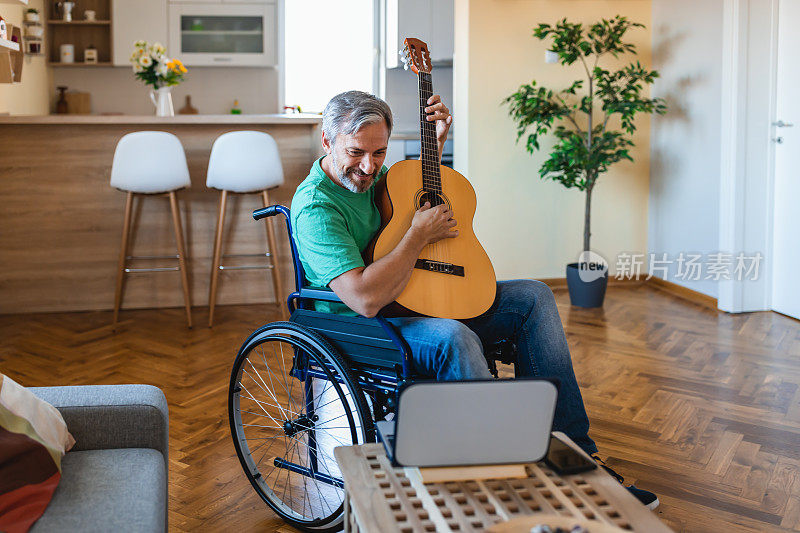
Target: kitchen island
[{"x": 61, "y": 221}]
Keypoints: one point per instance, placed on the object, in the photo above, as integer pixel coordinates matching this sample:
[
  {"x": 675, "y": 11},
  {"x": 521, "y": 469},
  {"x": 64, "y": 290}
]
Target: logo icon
[{"x": 591, "y": 266}]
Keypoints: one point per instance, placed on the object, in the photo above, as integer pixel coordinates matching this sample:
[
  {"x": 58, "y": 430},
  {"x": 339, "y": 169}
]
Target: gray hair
[{"x": 348, "y": 112}]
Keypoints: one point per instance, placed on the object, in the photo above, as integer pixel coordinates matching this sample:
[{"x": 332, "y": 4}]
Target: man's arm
[{"x": 367, "y": 290}]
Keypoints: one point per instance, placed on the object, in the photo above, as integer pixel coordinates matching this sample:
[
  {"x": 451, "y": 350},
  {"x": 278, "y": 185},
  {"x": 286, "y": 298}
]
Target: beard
[{"x": 346, "y": 177}]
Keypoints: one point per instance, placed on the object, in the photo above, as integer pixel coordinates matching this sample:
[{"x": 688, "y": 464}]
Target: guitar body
[{"x": 456, "y": 279}]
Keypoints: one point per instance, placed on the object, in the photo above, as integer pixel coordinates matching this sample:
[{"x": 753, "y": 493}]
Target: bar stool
[
  {"x": 244, "y": 162},
  {"x": 150, "y": 163}
]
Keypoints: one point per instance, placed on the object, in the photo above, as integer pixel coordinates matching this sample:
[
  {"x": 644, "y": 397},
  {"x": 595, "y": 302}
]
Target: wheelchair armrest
[{"x": 319, "y": 293}]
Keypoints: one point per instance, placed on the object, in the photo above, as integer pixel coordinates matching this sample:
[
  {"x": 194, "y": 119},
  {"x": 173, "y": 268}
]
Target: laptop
[{"x": 478, "y": 422}]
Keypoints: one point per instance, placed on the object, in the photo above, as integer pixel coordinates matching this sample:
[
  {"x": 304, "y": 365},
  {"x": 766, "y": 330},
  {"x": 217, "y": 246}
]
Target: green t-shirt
[{"x": 332, "y": 226}]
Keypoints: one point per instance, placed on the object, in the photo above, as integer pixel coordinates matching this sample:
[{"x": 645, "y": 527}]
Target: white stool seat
[
  {"x": 244, "y": 162},
  {"x": 149, "y": 162}
]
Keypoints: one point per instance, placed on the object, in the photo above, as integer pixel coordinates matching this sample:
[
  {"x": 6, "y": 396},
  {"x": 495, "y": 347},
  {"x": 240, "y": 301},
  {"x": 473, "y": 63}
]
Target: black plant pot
[{"x": 586, "y": 293}]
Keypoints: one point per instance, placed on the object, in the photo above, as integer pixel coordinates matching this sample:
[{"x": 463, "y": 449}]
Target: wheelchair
[{"x": 300, "y": 388}]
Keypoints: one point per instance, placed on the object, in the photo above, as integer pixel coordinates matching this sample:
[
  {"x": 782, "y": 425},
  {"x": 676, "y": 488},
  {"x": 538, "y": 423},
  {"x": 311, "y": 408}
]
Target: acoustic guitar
[{"x": 452, "y": 278}]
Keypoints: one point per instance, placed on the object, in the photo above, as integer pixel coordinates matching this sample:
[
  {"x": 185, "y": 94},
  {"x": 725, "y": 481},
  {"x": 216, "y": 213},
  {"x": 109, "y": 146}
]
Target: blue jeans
[{"x": 525, "y": 312}]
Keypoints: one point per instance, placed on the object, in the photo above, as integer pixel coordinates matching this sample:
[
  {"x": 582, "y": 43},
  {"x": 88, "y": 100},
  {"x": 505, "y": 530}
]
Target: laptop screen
[{"x": 474, "y": 422}]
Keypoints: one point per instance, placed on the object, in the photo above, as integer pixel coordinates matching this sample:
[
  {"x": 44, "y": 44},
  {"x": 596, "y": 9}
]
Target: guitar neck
[{"x": 431, "y": 178}]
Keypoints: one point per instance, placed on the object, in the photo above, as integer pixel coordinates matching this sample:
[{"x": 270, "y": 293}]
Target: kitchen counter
[
  {"x": 61, "y": 222},
  {"x": 297, "y": 118}
]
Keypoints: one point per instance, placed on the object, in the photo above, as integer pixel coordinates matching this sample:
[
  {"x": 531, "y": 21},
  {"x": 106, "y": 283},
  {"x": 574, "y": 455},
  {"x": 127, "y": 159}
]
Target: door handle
[
  {"x": 782, "y": 124},
  {"x": 778, "y": 140}
]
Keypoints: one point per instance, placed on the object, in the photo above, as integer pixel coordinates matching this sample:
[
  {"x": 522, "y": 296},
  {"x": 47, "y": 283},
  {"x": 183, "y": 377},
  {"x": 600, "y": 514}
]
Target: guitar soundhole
[{"x": 434, "y": 198}]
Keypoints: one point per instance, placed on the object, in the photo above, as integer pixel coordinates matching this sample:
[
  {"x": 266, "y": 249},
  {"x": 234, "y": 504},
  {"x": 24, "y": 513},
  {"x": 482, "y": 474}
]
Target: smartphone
[{"x": 564, "y": 460}]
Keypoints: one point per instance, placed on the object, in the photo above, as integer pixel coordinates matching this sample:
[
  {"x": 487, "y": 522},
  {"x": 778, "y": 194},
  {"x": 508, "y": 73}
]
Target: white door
[{"x": 786, "y": 137}]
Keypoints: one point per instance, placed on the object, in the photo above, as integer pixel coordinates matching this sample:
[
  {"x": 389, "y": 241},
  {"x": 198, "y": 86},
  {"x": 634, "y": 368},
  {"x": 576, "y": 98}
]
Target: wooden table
[{"x": 383, "y": 498}]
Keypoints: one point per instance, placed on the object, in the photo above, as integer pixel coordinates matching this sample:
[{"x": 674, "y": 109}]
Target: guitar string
[
  {"x": 431, "y": 165},
  {"x": 435, "y": 163},
  {"x": 429, "y": 168}
]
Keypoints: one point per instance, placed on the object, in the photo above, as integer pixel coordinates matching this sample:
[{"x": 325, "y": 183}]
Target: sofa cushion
[{"x": 108, "y": 490}]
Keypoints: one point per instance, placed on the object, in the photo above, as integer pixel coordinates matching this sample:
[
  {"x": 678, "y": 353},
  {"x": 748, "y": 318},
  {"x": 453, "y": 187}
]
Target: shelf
[
  {"x": 81, "y": 64},
  {"x": 79, "y": 22},
  {"x": 6, "y": 45},
  {"x": 11, "y": 55}
]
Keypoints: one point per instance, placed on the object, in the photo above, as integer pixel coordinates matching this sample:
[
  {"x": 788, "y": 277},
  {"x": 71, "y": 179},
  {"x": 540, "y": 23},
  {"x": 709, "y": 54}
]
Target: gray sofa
[{"x": 115, "y": 478}]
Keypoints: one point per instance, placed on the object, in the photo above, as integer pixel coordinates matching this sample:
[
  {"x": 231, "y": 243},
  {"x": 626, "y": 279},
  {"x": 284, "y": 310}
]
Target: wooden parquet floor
[{"x": 701, "y": 407}]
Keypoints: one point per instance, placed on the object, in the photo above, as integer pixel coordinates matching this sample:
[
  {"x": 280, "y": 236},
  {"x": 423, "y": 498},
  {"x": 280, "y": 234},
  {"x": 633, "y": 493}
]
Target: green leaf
[{"x": 539, "y": 111}]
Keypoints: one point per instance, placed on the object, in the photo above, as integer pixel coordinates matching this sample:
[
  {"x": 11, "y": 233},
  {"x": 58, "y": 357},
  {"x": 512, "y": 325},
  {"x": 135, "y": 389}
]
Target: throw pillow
[{"x": 33, "y": 439}]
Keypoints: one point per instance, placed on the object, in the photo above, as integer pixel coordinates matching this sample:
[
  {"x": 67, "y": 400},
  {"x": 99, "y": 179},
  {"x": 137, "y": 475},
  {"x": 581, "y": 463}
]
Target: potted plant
[
  {"x": 154, "y": 68},
  {"x": 32, "y": 15},
  {"x": 582, "y": 117}
]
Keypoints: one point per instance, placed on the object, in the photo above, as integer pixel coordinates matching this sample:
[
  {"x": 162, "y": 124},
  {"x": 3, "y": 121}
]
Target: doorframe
[{"x": 748, "y": 100}]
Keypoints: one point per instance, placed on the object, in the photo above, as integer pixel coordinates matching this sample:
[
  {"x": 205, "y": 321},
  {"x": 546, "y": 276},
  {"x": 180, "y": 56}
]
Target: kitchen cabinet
[
  {"x": 428, "y": 20},
  {"x": 133, "y": 21},
  {"x": 224, "y": 34},
  {"x": 221, "y": 1}
]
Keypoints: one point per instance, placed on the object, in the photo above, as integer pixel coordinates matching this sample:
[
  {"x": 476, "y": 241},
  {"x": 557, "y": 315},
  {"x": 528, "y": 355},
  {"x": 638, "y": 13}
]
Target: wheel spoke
[
  {"x": 265, "y": 388},
  {"x": 265, "y": 411},
  {"x": 270, "y": 373}
]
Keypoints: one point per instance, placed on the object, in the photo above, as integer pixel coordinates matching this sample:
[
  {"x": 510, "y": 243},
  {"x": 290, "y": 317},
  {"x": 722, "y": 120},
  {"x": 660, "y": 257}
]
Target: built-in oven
[{"x": 223, "y": 33}]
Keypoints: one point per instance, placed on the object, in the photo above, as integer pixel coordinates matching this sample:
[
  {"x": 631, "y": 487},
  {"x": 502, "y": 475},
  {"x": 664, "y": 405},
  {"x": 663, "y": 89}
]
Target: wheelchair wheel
[{"x": 292, "y": 399}]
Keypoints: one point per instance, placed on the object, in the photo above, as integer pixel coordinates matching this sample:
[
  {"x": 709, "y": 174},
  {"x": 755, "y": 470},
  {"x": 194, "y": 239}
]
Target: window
[{"x": 328, "y": 50}]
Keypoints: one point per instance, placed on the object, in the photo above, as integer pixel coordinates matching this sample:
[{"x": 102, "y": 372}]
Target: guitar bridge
[{"x": 440, "y": 267}]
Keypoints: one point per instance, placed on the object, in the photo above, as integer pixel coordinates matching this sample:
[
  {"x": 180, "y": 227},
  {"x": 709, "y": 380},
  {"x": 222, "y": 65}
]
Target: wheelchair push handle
[{"x": 270, "y": 211}]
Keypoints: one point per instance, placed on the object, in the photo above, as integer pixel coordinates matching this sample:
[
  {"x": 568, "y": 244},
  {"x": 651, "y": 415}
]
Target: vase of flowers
[{"x": 154, "y": 68}]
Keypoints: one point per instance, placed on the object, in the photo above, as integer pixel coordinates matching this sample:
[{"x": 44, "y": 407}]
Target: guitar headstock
[{"x": 415, "y": 54}]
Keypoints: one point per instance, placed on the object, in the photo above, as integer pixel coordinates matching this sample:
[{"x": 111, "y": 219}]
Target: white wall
[
  {"x": 685, "y": 143},
  {"x": 213, "y": 89},
  {"x": 402, "y": 95},
  {"x": 530, "y": 227}
]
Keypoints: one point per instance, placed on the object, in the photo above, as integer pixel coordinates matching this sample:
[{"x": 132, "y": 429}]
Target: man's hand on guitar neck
[{"x": 438, "y": 112}]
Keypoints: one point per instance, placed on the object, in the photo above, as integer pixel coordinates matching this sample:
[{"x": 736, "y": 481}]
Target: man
[{"x": 334, "y": 219}]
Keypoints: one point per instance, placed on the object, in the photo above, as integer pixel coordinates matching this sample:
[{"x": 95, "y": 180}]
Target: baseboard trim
[
  {"x": 683, "y": 292},
  {"x": 709, "y": 302},
  {"x": 557, "y": 284}
]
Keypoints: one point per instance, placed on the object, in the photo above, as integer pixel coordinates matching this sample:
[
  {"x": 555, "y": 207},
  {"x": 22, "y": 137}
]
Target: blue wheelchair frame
[
  {"x": 373, "y": 348},
  {"x": 381, "y": 357}
]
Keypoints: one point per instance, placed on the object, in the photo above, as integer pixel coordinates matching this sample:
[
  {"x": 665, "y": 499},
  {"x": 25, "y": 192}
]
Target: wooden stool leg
[
  {"x": 176, "y": 222},
  {"x": 277, "y": 280},
  {"x": 123, "y": 253},
  {"x": 212, "y": 291}
]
